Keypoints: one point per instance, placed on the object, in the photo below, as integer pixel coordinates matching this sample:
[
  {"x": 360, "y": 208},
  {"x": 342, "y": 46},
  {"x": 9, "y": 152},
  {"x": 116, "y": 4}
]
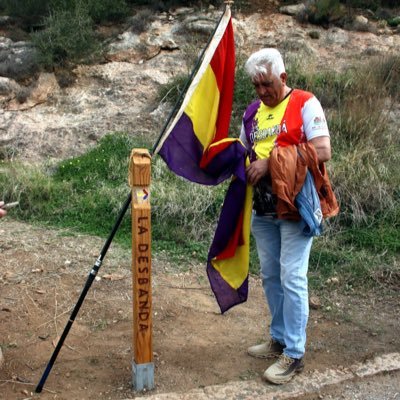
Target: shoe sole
[{"x": 283, "y": 379}]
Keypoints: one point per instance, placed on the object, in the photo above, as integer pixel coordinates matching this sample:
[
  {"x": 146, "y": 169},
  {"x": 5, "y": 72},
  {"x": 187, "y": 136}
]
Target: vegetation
[
  {"x": 85, "y": 193},
  {"x": 342, "y": 12},
  {"x": 64, "y": 31},
  {"x": 361, "y": 246},
  {"x": 67, "y": 36}
]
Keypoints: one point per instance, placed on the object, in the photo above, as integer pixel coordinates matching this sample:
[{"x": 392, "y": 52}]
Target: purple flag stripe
[
  {"x": 232, "y": 208},
  {"x": 229, "y": 217},
  {"x": 182, "y": 152},
  {"x": 226, "y": 296},
  {"x": 230, "y": 161}
]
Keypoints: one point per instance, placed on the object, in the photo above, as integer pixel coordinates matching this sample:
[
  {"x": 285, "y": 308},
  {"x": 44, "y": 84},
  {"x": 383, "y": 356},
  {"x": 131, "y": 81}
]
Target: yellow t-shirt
[{"x": 268, "y": 126}]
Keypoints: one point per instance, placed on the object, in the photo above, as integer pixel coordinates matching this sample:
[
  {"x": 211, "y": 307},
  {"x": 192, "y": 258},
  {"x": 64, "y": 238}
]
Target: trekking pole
[{"x": 90, "y": 279}]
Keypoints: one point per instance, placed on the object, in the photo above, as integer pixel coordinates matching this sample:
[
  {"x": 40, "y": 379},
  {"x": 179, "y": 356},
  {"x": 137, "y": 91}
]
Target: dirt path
[{"x": 42, "y": 273}]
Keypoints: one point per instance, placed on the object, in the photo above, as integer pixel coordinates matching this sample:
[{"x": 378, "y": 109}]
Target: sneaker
[
  {"x": 283, "y": 369},
  {"x": 271, "y": 349}
]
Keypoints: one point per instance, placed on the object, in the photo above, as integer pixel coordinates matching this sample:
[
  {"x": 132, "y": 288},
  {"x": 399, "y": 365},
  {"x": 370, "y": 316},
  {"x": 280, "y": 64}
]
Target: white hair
[{"x": 261, "y": 61}]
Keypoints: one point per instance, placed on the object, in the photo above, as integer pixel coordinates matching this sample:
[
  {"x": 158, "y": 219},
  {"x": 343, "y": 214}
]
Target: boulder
[
  {"x": 8, "y": 86},
  {"x": 45, "y": 86},
  {"x": 361, "y": 24},
  {"x": 198, "y": 24},
  {"x": 294, "y": 10},
  {"x": 18, "y": 60}
]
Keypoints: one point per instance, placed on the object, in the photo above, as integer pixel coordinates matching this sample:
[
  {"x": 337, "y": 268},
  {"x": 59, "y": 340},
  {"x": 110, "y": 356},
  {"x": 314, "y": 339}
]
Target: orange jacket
[{"x": 288, "y": 171}]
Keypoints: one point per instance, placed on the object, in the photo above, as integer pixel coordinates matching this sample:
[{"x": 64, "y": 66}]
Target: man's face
[{"x": 270, "y": 88}]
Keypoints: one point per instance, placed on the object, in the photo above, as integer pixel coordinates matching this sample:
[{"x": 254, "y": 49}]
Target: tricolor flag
[
  {"x": 196, "y": 146},
  {"x": 205, "y": 113}
]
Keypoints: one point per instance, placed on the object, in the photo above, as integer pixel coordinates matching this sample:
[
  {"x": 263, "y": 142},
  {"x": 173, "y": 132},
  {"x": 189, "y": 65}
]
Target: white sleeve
[{"x": 314, "y": 121}]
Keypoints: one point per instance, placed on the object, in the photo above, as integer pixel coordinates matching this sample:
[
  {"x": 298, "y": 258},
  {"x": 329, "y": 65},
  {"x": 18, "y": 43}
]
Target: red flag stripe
[{"x": 223, "y": 66}]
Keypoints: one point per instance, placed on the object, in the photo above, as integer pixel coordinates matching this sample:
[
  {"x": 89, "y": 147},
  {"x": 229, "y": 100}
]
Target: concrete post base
[{"x": 142, "y": 376}]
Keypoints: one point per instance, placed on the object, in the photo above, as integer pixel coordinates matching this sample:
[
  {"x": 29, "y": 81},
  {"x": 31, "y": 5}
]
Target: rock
[
  {"x": 46, "y": 85},
  {"x": 361, "y": 23},
  {"x": 4, "y": 20},
  {"x": 314, "y": 302},
  {"x": 18, "y": 60},
  {"x": 164, "y": 42},
  {"x": 297, "y": 45},
  {"x": 5, "y": 43},
  {"x": 293, "y": 10},
  {"x": 182, "y": 11},
  {"x": 8, "y": 86},
  {"x": 337, "y": 37},
  {"x": 125, "y": 41},
  {"x": 361, "y": 20},
  {"x": 198, "y": 24},
  {"x": 332, "y": 281}
]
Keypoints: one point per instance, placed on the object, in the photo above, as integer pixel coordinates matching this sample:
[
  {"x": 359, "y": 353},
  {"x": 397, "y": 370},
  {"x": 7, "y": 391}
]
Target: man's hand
[
  {"x": 2, "y": 211},
  {"x": 256, "y": 170}
]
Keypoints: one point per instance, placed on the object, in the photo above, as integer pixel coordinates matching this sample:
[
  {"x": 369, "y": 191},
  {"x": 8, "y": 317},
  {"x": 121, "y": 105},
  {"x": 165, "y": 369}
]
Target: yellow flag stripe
[
  {"x": 234, "y": 270},
  {"x": 202, "y": 108}
]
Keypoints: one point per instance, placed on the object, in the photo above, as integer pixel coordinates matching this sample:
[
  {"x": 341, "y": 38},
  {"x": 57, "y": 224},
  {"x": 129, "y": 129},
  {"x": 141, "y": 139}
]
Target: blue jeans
[{"x": 284, "y": 252}]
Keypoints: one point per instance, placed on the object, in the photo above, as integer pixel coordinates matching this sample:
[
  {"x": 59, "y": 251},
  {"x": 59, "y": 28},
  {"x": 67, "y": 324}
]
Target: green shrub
[
  {"x": 165, "y": 5},
  {"x": 107, "y": 10},
  {"x": 371, "y": 4},
  {"x": 65, "y": 5},
  {"x": 323, "y": 12},
  {"x": 390, "y": 3},
  {"x": 394, "y": 21},
  {"x": 27, "y": 8},
  {"x": 67, "y": 36},
  {"x": 32, "y": 11}
]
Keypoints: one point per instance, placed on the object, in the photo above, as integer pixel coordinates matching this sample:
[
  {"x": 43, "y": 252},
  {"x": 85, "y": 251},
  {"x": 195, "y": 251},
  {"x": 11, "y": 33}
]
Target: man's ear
[{"x": 283, "y": 77}]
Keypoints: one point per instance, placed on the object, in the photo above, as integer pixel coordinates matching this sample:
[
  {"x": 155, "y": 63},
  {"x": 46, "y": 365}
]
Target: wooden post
[{"x": 139, "y": 180}]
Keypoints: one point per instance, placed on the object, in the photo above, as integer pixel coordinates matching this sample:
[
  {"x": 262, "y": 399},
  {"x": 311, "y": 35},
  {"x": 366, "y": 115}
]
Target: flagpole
[{"x": 189, "y": 81}]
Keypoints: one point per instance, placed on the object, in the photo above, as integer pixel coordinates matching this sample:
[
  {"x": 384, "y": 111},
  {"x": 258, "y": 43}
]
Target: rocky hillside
[{"x": 53, "y": 115}]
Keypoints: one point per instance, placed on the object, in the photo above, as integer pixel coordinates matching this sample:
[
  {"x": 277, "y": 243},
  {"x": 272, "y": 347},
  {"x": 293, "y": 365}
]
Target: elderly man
[{"x": 281, "y": 117}]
